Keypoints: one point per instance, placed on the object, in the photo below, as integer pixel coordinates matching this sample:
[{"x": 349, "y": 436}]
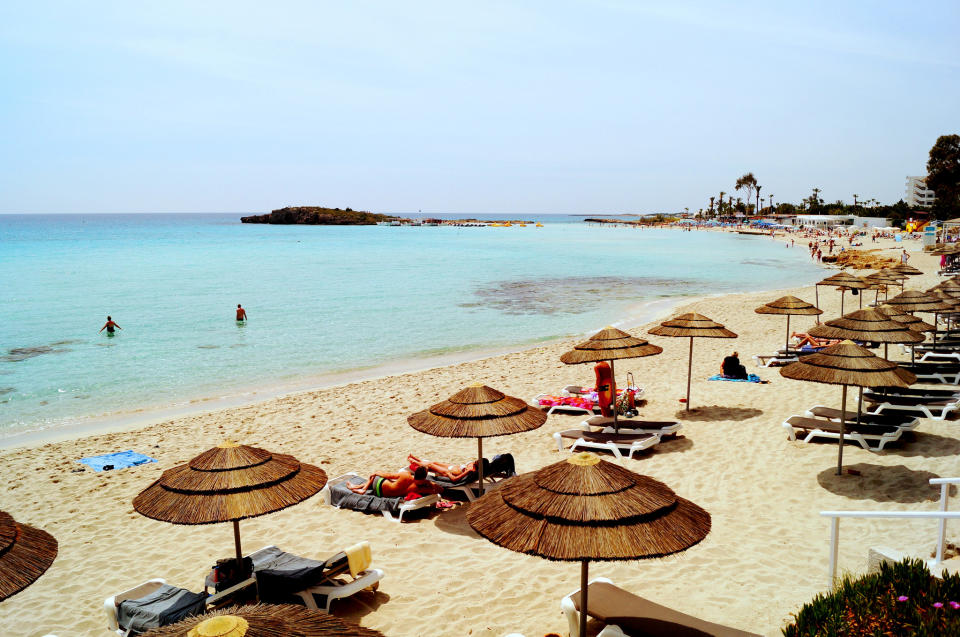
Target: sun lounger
[
  {"x": 151, "y": 604},
  {"x": 920, "y": 392},
  {"x": 632, "y": 425},
  {"x": 336, "y": 494},
  {"x": 620, "y": 445},
  {"x": 905, "y": 421},
  {"x": 946, "y": 372},
  {"x": 627, "y": 614},
  {"x": 282, "y": 577},
  {"x": 572, "y": 404},
  {"x": 935, "y": 408},
  {"x": 812, "y": 428},
  {"x": 936, "y": 356},
  {"x": 500, "y": 467}
]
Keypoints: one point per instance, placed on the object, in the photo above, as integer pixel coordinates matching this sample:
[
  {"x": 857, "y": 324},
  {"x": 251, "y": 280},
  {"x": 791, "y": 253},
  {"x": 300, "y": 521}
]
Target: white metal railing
[{"x": 943, "y": 515}]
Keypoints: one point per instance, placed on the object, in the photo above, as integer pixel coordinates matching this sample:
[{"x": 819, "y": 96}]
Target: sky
[{"x": 533, "y": 107}]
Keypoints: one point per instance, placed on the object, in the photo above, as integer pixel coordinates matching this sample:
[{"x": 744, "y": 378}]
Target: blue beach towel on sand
[
  {"x": 119, "y": 460},
  {"x": 751, "y": 378}
]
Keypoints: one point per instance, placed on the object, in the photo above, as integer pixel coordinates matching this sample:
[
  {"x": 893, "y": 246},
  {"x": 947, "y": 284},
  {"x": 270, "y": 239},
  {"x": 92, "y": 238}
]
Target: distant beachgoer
[
  {"x": 392, "y": 485},
  {"x": 110, "y": 326},
  {"x": 904, "y": 257},
  {"x": 731, "y": 367},
  {"x": 241, "y": 313}
]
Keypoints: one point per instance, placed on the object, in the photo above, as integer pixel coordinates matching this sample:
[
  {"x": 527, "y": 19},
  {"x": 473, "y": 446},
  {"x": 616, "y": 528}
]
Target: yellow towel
[{"x": 358, "y": 558}]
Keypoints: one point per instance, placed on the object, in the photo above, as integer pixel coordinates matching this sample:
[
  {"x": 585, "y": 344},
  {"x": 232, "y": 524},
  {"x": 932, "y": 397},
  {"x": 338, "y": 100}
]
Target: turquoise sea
[{"x": 320, "y": 299}]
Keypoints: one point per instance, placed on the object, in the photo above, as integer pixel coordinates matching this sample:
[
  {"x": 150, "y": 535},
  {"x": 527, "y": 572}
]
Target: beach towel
[
  {"x": 751, "y": 378},
  {"x": 164, "y": 606},
  {"x": 343, "y": 498},
  {"x": 580, "y": 402},
  {"x": 119, "y": 460}
]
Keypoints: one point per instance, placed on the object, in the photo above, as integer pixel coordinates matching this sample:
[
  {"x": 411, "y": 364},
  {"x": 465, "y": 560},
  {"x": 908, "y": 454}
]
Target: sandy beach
[{"x": 765, "y": 556}]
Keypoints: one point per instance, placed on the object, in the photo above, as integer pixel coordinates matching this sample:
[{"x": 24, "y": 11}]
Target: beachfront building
[
  {"x": 827, "y": 221},
  {"x": 918, "y": 195}
]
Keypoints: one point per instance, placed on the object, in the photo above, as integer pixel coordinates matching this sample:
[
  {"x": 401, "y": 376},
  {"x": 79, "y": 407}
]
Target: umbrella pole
[
  {"x": 886, "y": 354},
  {"x": 689, "y": 371},
  {"x": 613, "y": 382},
  {"x": 480, "y": 463},
  {"x": 859, "y": 406},
  {"x": 584, "y": 569},
  {"x": 786, "y": 343},
  {"x": 842, "y": 294},
  {"x": 860, "y": 299},
  {"x": 843, "y": 424},
  {"x": 236, "y": 542},
  {"x": 816, "y": 300}
]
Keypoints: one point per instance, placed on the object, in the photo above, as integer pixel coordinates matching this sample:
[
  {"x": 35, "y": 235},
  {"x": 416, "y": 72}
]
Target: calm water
[{"x": 320, "y": 299}]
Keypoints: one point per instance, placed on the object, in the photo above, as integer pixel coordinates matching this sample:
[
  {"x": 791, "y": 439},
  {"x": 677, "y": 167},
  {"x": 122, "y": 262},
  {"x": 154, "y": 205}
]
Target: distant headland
[{"x": 318, "y": 216}]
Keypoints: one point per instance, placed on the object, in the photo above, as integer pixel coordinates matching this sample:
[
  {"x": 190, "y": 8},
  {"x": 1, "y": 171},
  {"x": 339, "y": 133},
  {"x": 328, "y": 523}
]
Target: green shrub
[{"x": 902, "y": 599}]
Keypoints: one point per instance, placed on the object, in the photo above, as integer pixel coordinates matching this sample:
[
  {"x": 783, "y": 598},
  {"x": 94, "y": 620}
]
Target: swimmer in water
[
  {"x": 110, "y": 326},
  {"x": 241, "y": 313}
]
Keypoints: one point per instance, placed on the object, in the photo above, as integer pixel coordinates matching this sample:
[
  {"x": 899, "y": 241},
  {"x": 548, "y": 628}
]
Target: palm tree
[
  {"x": 720, "y": 207},
  {"x": 758, "y": 198},
  {"x": 711, "y": 206},
  {"x": 747, "y": 183}
]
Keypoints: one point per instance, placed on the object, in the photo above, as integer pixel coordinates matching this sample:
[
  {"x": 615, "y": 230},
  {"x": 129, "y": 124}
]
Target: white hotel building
[{"x": 918, "y": 195}]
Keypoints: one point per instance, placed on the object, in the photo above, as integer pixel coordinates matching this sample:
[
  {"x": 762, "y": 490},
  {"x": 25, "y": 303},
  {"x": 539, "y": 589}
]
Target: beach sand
[{"x": 765, "y": 556}]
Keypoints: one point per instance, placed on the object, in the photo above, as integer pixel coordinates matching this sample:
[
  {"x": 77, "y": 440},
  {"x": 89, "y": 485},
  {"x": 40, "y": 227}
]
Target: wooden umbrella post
[
  {"x": 843, "y": 423},
  {"x": 613, "y": 389},
  {"x": 843, "y": 292},
  {"x": 236, "y": 542},
  {"x": 480, "y": 463},
  {"x": 816, "y": 299},
  {"x": 689, "y": 372},
  {"x": 786, "y": 343},
  {"x": 584, "y": 569}
]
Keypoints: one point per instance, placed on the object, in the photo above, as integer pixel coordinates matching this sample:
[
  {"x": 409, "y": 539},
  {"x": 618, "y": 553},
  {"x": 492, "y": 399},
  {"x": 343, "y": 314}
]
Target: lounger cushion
[
  {"x": 621, "y": 439},
  {"x": 638, "y": 616},
  {"x": 809, "y": 424},
  {"x": 502, "y": 464},
  {"x": 896, "y": 419},
  {"x": 164, "y": 606},
  {"x": 280, "y": 574}
]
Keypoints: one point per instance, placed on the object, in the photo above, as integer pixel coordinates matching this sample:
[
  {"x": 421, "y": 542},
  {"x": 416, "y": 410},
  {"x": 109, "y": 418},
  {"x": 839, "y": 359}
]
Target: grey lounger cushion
[{"x": 164, "y": 606}]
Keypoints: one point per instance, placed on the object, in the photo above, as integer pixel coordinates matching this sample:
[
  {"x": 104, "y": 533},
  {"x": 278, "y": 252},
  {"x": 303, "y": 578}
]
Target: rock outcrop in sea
[{"x": 318, "y": 216}]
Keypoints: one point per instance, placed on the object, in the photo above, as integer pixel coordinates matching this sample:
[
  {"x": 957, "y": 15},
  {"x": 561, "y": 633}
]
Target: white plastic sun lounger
[
  {"x": 335, "y": 587},
  {"x": 936, "y": 409},
  {"x": 633, "y": 426},
  {"x": 111, "y": 603},
  {"x": 903, "y": 420},
  {"x": 620, "y": 445},
  {"x": 812, "y": 428},
  {"x": 405, "y": 507},
  {"x": 624, "y": 613}
]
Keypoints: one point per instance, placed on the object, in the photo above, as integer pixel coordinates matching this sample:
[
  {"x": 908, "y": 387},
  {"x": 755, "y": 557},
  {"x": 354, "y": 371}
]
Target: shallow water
[{"x": 319, "y": 299}]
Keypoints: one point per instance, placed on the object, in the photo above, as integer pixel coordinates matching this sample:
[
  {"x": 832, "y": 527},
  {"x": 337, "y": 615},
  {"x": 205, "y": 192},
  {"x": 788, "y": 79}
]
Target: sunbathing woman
[
  {"x": 394, "y": 485},
  {"x": 452, "y": 472}
]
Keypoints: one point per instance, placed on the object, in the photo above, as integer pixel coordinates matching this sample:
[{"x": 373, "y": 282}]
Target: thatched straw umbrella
[
  {"x": 610, "y": 344},
  {"x": 229, "y": 483},
  {"x": 847, "y": 364},
  {"x": 845, "y": 281},
  {"x": 903, "y": 268},
  {"x": 913, "y": 301},
  {"x": 694, "y": 326},
  {"x": 478, "y": 412},
  {"x": 881, "y": 281},
  {"x": 915, "y": 323},
  {"x": 790, "y": 306},
  {"x": 26, "y": 553},
  {"x": 583, "y": 509},
  {"x": 263, "y": 620}
]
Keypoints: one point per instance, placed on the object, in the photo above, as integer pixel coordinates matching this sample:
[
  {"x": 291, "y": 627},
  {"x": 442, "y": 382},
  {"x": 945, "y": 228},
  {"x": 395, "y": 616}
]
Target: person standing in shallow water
[
  {"x": 241, "y": 314},
  {"x": 110, "y": 326}
]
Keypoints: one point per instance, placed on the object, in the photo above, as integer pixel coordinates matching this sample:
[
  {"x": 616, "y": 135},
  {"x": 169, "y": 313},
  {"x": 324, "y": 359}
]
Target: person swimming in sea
[
  {"x": 110, "y": 326},
  {"x": 241, "y": 314}
]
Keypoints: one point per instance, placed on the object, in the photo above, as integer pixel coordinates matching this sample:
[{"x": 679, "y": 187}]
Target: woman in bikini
[{"x": 452, "y": 472}]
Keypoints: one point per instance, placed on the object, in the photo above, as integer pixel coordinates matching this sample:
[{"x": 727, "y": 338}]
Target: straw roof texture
[
  {"x": 909, "y": 270},
  {"x": 866, "y": 325},
  {"x": 848, "y": 364},
  {"x": 25, "y": 554},
  {"x": 478, "y": 411},
  {"x": 691, "y": 324},
  {"x": 229, "y": 482},
  {"x": 263, "y": 620},
  {"x": 585, "y": 508},
  {"x": 949, "y": 297},
  {"x": 946, "y": 248},
  {"x": 789, "y": 305},
  {"x": 609, "y": 344},
  {"x": 845, "y": 280},
  {"x": 915, "y": 301},
  {"x": 915, "y": 323}
]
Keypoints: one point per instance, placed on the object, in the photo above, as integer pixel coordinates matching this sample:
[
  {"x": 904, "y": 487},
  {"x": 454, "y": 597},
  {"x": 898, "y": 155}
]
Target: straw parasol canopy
[
  {"x": 946, "y": 248},
  {"x": 693, "y": 326},
  {"x": 913, "y": 322},
  {"x": 915, "y": 301},
  {"x": 583, "y": 509},
  {"x": 610, "y": 344},
  {"x": 845, "y": 281},
  {"x": 229, "y": 483},
  {"x": 847, "y": 364},
  {"x": 903, "y": 268},
  {"x": 880, "y": 281},
  {"x": 264, "y": 620},
  {"x": 790, "y": 306},
  {"x": 26, "y": 553},
  {"x": 867, "y": 325},
  {"x": 478, "y": 412}
]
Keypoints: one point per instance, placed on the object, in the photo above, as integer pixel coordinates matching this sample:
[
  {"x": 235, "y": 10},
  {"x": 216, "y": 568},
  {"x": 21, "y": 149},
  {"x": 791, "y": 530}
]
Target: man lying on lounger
[{"x": 397, "y": 485}]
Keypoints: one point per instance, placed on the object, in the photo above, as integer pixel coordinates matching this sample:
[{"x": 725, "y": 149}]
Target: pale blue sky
[{"x": 536, "y": 107}]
